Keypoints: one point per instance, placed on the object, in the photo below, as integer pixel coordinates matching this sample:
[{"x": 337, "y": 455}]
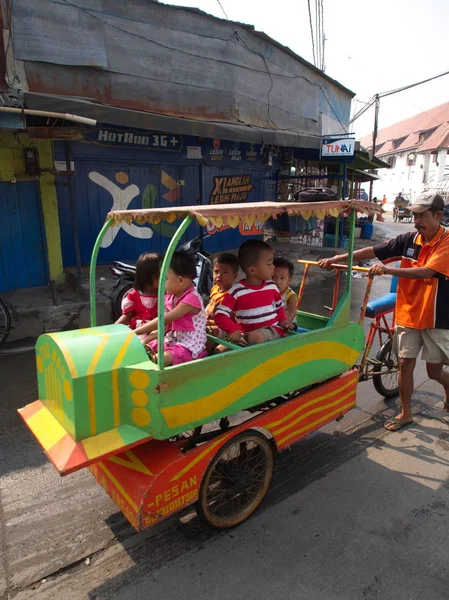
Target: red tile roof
[
  {"x": 438, "y": 139},
  {"x": 409, "y": 129}
]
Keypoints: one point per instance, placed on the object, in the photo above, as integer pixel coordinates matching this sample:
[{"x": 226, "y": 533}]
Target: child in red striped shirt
[{"x": 255, "y": 301}]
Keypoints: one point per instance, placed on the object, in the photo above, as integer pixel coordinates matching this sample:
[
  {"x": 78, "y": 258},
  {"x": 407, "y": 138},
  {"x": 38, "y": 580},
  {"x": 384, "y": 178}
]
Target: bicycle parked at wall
[{"x": 5, "y": 321}]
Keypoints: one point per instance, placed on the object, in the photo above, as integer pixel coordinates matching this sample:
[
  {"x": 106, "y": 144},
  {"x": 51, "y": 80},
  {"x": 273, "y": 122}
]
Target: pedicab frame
[{"x": 105, "y": 406}]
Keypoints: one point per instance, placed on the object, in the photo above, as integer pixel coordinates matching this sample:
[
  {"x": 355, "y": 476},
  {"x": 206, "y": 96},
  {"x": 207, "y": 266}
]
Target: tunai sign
[{"x": 337, "y": 147}]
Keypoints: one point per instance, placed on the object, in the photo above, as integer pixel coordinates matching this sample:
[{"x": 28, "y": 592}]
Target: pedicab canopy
[
  {"x": 247, "y": 213},
  {"x": 100, "y": 395}
]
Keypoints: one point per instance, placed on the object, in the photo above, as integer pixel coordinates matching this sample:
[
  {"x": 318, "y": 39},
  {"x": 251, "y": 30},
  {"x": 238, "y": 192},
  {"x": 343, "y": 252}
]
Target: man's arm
[
  {"x": 410, "y": 273},
  {"x": 362, "y": 254}
]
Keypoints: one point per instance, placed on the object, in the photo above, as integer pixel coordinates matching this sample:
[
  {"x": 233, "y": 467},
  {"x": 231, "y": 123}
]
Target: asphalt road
[{"x": 64, "y": 538}]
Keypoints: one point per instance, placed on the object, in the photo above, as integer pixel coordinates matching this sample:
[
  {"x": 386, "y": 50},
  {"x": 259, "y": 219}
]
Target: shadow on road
[{"x": 306, "y": 523}]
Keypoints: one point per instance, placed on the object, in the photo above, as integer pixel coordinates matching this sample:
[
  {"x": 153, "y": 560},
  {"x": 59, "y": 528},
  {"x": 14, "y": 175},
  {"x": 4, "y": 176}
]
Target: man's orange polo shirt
[{"x": 420, "y": 303}]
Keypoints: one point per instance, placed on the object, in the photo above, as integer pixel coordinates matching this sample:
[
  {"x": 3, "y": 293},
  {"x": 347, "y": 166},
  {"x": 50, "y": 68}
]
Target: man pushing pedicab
[{"x": 422, "y": 302}]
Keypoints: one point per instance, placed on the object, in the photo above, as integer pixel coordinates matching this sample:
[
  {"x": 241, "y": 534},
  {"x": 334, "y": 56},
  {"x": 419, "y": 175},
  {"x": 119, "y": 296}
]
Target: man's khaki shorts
[
  {"x": 408, "y": 342},
  {"x": 269, "y": 334}
]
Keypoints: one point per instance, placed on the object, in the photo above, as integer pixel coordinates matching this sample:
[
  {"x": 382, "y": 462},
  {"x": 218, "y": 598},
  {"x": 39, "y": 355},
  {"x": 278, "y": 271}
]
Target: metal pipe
[
  {"x": 314, "y": 263},
  {"x": 45, "y": 113},
  {"x": 303, "y": 281},
  {"x": 73, "y": 213},
  {"x": 161, "y": 289},
  {"x": 93, "y": 267}
]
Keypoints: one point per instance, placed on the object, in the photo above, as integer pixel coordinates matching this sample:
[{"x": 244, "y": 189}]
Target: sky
[{"x": 371, "y": 47}]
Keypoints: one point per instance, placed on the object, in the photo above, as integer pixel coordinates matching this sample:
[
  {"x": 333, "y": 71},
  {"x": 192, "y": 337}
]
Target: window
[
  {"x": 434, "y": 157},
  {"x": 398, "y": 142},
  {"x": 391, "y": 160},
  {"x": 411, "y": 160},
  {"x": 425, "y": 135}
]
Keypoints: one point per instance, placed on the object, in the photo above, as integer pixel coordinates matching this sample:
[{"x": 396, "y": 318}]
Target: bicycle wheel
[
  {"x": 5, "y": 322},
  {"x": 236, "y": 481},
  {"x": 387, "y": 383}
]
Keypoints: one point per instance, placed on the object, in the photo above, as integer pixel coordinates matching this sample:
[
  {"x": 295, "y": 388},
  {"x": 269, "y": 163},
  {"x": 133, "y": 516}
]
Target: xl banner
[{"x": 229, "y": 190}]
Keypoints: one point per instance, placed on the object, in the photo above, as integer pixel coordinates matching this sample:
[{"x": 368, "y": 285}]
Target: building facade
[
  {"x": 177, "y": 118},
  {"x": 417, "y": 151}
]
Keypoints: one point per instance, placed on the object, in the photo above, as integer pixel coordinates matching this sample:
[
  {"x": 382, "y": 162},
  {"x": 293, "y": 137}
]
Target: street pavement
[{"x": 354, "y": 512}]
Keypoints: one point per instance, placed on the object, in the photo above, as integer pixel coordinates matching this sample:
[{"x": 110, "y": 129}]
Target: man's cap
[{"x": 425, "y": 201}]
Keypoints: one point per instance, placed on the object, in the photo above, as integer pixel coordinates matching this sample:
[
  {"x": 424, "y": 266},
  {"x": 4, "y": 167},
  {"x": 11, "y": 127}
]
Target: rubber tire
[
  {"x": 377, "y": 379},
  {"x": 117, "y": 301},
  {"x": 4, "y": 336},
  {"x": 201, "y": 507}
]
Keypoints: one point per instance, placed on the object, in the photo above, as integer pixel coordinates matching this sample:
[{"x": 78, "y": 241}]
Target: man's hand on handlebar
[
  {"x": 326, "y": 263},
  {"x": 378, "y": 270}
]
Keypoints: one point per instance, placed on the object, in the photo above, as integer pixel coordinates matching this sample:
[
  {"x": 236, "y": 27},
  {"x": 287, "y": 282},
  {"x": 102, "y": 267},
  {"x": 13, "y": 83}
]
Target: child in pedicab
[
  {"x": 185, "y": 317},
  {"x": 283, "y": 275},
  {"x": 139, "y": 306},
  {"x": 225, "y": 271},
  {"x": 255, "y": 301}
]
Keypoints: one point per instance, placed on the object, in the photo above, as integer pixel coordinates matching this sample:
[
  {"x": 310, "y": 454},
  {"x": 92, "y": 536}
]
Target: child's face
[
  {"x": 224, "y": 276},
  {"x": 264, "y": 267},
  {"x": 176, "y": 284},
  {"x": 282, "y": 278}
]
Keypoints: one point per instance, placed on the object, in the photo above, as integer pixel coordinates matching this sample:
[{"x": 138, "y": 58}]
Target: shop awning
[
  {"x": 362, "y": 176},
  {"x": 155, "y": 122}
]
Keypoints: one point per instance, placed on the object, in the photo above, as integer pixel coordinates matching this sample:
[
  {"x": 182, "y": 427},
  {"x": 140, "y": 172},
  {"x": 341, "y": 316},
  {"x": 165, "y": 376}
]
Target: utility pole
[{"x": 375, "y": 131}]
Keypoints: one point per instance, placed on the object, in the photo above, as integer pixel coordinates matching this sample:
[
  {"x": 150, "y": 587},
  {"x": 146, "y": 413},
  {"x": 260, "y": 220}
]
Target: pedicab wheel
[
  {"x": 236, "y": 481},
  {"x": 387, "y": 383}
]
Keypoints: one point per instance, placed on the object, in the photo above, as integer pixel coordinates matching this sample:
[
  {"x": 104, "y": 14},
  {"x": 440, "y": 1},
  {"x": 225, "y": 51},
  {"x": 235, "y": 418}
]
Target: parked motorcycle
[{"x": 125, "y": 273}]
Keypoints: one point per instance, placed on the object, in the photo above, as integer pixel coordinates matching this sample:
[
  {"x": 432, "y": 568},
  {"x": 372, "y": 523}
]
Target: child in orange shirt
[{"x": 226, "y": 268}]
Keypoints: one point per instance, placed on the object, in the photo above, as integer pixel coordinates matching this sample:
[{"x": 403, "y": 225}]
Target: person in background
[
  {"x": 283, "y": 275},
  {"x": 422, "y": 314},
  {"x": 384, "y": 200}
]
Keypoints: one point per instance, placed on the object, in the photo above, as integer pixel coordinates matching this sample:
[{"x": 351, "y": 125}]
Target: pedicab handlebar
[
  {"x": 314, "y": 263},
  {"x": 338, "y": 269}
]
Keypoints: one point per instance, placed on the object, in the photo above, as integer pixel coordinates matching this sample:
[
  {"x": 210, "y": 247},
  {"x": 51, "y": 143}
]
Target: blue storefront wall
[
  {"x": 116, "y": 168},
  {"x": 23, "y": 261}
]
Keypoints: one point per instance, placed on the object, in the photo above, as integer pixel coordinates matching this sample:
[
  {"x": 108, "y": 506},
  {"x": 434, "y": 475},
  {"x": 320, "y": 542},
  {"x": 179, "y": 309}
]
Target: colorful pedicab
[{"x": 161, "y": 438}]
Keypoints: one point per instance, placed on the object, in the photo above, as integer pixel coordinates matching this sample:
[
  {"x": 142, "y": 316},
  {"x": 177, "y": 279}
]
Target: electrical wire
[
  {"x": 412, "y": 85},
  {"x": 323, "y": 35},
  {"x": 224, "y": 12},
  {"x": 311, "y": 32}
]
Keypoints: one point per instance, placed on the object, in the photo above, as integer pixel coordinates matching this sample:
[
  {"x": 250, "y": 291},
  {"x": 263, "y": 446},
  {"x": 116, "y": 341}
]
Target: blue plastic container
[{"x": 367, "y": 231}]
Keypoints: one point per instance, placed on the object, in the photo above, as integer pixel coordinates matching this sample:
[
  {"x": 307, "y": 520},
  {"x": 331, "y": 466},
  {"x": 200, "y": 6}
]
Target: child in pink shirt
[
  {"x": 139, "y": 306},
  {"x": 185, "y": 317}
]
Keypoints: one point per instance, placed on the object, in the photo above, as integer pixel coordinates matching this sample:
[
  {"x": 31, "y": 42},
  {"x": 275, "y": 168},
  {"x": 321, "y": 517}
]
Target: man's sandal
[{"x": 395, "y": 424}]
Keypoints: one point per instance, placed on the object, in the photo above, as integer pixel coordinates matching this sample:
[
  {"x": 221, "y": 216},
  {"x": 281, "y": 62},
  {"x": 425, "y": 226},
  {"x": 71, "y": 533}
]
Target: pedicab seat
[
  {"x": 380, "y": 305},
  {"x": 384, "y": 303}
]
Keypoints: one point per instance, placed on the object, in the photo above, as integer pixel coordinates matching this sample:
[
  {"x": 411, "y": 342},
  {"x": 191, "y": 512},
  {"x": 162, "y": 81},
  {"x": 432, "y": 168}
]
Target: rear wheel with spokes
[
  {"x": 386, "y": 381},
  {"x": 5, "y": 322},
  {"x": 237, "y": 480}
]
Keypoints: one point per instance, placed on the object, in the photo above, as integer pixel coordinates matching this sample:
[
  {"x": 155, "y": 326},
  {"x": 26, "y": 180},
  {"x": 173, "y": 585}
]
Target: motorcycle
[{"x": 125, "y": 273}]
